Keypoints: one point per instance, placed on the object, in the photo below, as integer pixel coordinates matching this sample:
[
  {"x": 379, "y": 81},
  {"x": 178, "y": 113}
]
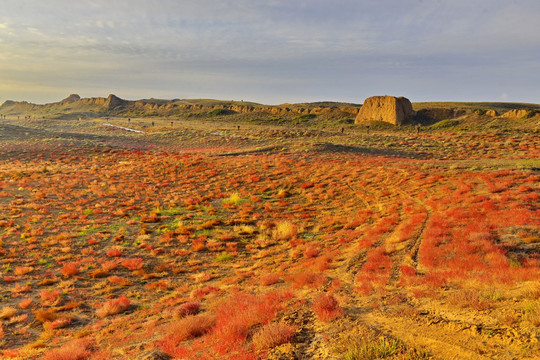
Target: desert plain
[{"x": 201, "y": 229}]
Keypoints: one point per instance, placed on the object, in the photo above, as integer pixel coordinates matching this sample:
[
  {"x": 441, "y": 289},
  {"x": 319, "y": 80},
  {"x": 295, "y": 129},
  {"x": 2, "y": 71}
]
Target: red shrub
[
  {"x": 307, "y": 185},
  {"x": 311, "y": 252},
  {"x": 241, "y": 312},
  {"x": 60, "y": 323},
  {"x": 189, "y": 308},
  {"x": 191, "y": 326},
  {"x": 377, "y": 268},
  {"x": 323, "y": 263},
  {"x": 119, "y": 280},
  {"x": 113, "y": 307},
  {"x": 49, "y": 296},
  {"x": 199, "y": 293},
  {"x": 231, "y": 247},
  {"x": 79, "y": 349},
  {"x": 407, "y": 271},
  {"x": 272, "y": 335},
  {"x": 326, "y": 307},
  {"x": 198, "y": 244},
  {"x": 109, "y": 265},
  {"x": 114, "y": 253},
  {"x": 25, "y": 303},
  {"x": 133, "y": 264},
  {"x": 269, "y": 279},
  {"x": 70, "y": 269},
  {"x": 306, "y": 278}
]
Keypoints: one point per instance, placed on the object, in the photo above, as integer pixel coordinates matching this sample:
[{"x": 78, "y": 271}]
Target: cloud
[{"x": 267, "y": 47}]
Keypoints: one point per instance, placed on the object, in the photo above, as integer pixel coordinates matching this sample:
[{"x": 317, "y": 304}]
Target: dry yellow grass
[{"x": 284, "y": 231}]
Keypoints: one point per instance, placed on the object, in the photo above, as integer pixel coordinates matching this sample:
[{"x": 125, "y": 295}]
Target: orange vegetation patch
[{"x": 205, "y": 256}]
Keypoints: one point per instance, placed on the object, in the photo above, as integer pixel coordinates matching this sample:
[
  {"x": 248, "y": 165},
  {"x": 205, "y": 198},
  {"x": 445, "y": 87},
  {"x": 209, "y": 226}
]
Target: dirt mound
[{"x": 390, "y": 109}]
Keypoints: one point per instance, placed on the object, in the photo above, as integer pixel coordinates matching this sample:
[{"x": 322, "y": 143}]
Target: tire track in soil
[
  {"x": 387, "y": 325},
  {"x": 411, "y": 248},
  {"x": 305, "y": 337},
  {"x": 353, "y": 260},
  {"x": 446, "y": 338},
  {"x": 442, "y": 343},
  {"x": 414, "y": 243},
  {"x": 450, "y": 338}
]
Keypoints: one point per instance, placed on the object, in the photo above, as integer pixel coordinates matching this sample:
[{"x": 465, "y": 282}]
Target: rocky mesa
[{"x": 390, "y": 109}]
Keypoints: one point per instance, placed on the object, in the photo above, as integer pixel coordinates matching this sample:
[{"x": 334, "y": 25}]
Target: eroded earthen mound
[
  {"x": 515, "y": 113},
  {"x": 391, "y": 109},
  {"x": 71, "y": 99}
]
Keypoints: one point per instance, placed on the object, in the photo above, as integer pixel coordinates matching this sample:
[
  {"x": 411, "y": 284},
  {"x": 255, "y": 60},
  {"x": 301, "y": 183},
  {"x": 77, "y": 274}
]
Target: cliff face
[{"x": 109, "y": 103}]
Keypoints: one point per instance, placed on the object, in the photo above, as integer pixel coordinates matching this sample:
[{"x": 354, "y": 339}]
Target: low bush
[
  {"x": 269, "y": 279},
  {"x": 443, "y": 124},
  {"x": 272, "y": 335},
  {"x": 189, "y": 308},
  {"x": 79, "y": 349},
  {"x": 191, "y": 326},
  {"x": 113, "y": 307},
  {"x": 326, "y": 307}
]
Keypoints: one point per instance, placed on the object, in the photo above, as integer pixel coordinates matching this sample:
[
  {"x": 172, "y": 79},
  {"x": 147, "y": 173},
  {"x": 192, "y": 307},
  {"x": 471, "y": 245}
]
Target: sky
[{"x": 271, "y": 51}]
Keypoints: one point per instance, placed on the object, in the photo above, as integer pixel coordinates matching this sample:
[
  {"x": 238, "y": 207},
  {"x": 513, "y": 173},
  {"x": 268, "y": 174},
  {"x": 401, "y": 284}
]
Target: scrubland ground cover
[{"x": 268, "y": 243}]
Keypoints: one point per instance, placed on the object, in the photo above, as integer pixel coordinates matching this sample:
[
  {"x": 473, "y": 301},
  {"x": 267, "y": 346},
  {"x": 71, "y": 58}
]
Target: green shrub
[
  {"x": 444, "y": 124},
  {"x": 378, "y": 349},
  {"x": 480, "y": 111},
  {"x": 224, "y": 256},
  {"x": 305, "y": 117},
  {"x": 217, "y": 112},
  {"x": 530, "y": 113}
]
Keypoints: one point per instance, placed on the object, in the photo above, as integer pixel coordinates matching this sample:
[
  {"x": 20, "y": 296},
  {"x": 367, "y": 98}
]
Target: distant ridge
[{"x": 74, "y": 106}]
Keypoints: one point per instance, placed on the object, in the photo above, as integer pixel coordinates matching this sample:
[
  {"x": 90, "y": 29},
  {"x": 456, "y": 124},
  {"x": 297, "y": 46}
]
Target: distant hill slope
[
  {"x": 500, "y": 107},
  {"x": 74, "y": 107}
]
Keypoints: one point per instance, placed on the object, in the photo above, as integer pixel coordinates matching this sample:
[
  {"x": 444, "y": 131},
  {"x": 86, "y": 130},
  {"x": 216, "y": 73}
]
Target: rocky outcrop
[
  {"x": 516, "y": 113},
  {"x": 114, "y": 101},
  {"x": 491, "y": 113},
  {"x": 109, "y": 103},
  {"x": 71, "y": 99},
  {"x": 390, "y": 109}
]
